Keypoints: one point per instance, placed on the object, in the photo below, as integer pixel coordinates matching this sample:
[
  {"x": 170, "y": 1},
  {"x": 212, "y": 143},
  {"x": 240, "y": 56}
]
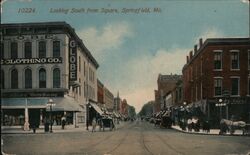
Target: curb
[{"x": 212, "y": 134}]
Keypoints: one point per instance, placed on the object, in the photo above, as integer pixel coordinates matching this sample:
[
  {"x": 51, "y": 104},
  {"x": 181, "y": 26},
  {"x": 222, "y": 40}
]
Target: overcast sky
[{"x": 133, "y": 48}]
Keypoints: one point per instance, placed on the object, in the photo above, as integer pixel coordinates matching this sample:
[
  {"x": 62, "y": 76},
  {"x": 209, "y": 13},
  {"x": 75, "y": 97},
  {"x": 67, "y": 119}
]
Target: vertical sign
[{"x": 72, "y": 60}]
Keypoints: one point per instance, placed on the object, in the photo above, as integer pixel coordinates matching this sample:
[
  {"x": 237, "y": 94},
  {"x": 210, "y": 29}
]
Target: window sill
[
  {"x": 234, "y": 95},
  {"x": 235, "y": 69},
  {"x": 217, "y": 69}
]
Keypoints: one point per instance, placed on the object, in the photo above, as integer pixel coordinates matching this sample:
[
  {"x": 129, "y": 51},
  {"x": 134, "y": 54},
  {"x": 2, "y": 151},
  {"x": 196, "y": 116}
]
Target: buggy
[{"x": 107, "y": 122}]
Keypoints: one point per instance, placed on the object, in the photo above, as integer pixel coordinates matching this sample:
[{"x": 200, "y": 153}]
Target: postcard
[{"x": 158, "y": 77}]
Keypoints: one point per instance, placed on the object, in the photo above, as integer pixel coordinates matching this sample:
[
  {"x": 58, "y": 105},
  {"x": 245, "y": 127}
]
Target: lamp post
[
  {"x": 50, "y": 104},
  {"x": 184, "y": 103},
  {"x": 88, "y": 107}
]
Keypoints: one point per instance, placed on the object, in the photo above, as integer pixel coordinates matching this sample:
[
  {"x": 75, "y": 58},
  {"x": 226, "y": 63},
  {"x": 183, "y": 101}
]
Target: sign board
[
  {"x": 72, "y": 60},
  {"x": 21, "y": 61}
]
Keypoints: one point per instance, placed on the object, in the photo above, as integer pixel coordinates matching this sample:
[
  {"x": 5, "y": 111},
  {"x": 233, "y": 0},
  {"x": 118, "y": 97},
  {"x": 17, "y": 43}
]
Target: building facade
[
  {"x": 108, "y": 99},
  {"x": 165, "y": 83},
  {"x": 117, "y": 103},
  {"x": 40, "y": 62},
  {"x": 218, "y": 72}
]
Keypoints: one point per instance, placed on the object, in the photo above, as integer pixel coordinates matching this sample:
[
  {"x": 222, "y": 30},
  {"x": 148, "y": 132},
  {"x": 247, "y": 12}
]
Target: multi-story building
[
  {"x": 108, "y": 99},
  {"x": 165, "y": 83},
  {"x": 41, "y": 63},
  {"x": 100, "y": 92},
  {"x": 124, "y": 108},
  {"x": 216, "y": 78}
]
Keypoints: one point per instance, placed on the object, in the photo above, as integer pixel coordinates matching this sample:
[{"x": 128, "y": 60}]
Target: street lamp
[
  {"x": 88, "y": 107},
  {"x": 51, "y": 103}
]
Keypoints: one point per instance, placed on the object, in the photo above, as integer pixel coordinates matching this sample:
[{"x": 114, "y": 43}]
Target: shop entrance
[{"x": 34, "y": 117}]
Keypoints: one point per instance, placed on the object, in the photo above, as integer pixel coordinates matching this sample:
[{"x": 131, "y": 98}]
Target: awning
[
  {"x": 12, "y": 103},
  {"x": 97, "y": 108},
  {"x": 65, "y": 103}
]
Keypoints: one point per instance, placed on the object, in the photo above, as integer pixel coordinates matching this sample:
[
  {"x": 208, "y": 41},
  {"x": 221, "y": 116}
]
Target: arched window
[
  {"x": 27, "y": 50},
  {"x": 13, "y": 50},
  {"x": 56, "y": 48},
  {"x": 56, "y": 78},
  {"x": 28, "y": 78},
  {"x": 14, "y": 79},
  {"x": 42, "y": 49},
  {"x": 2, "y": 79},
  {"x": 42, "y": 78}
]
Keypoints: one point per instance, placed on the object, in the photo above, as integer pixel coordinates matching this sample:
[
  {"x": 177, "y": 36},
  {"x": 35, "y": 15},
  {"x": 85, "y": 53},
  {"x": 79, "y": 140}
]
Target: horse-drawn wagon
[
  {"x": 231, "y": 126},
  {"x": 106, "y": 122}
]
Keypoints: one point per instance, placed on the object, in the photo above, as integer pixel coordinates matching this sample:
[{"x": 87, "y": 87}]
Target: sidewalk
[
  {"x": 212, "y": 131},
  {"x": 55, "y": 129}
]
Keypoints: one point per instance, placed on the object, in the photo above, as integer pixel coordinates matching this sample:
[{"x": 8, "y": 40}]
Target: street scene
[
  {"x": 125, "y": 77},
  {"x": 140, "y": 138}
]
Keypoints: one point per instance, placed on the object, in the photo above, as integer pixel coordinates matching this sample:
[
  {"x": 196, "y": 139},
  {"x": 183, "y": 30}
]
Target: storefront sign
[
  {"x": 30, "y": 61},
  {"x": 72, "y": 60},
  {"x": 32, "y": 94}
]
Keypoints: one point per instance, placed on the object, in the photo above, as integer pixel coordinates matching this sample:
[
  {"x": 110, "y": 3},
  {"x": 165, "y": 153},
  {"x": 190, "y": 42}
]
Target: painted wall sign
[
  {"x": 30, "y": 61},
  {"x": 72, "y": 60}
]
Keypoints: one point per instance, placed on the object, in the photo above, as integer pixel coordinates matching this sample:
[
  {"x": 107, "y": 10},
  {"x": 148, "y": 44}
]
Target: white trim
[
  {"x": 218, "y": 77},
  {"x": 217, "y": 50}
]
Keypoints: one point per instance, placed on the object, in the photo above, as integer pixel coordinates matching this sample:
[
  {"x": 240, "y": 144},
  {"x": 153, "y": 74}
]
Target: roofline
[
  {"x": 218, "y": 41},
  {"x": 71, "y": 32}
]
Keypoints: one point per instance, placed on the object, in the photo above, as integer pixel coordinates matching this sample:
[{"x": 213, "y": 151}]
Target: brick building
[
  {"x": 165, "y": 83},
  {"x": 219, "y": 71},
  {"x": 100, "y": 92}
]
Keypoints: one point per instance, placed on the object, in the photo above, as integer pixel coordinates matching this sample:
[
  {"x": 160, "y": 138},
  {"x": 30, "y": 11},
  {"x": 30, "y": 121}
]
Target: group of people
[{"x": 194, "y": 123}]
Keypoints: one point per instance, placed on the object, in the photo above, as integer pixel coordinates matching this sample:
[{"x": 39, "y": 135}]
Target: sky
[{"x": 143, "y": 39}]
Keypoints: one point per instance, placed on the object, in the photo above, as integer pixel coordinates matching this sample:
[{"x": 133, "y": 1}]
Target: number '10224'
[{"x": 26, "y": 10}]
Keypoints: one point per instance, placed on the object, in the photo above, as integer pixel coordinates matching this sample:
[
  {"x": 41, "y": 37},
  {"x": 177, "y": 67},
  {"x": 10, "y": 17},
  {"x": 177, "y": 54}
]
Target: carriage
[{"x": 106, "y": 122}]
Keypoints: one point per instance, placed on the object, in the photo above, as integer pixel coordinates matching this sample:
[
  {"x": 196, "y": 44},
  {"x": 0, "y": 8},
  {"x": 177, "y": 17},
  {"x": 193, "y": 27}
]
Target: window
[
  {"x": 14, "y": 79},
  {"x": 13, "y": 50},
  {"x": 249, "y": 59},
  {"x": 2, "y": 79},
  {"x": 42, "y": 49},
  {"x": 56, "y": 78},
  {"x": 235, "y": 60},
  {"x": 79, "y": 64},
  {"x": 218, "y": 87},
  {"x": 235, "y": 86},
  {"x": 217, "y": 60},
  {"x": 27, "y": 50},
  {"x": 248, "y": 85},
  {"x": 56, "y": 48},
  {"x": 28, "y": 78},
  {"x": 42, "y": 78},
  {"x": 2, "y": 50}
]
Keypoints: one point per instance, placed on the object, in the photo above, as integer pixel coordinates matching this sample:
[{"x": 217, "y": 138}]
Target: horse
[{"x": 231, "y": 126}]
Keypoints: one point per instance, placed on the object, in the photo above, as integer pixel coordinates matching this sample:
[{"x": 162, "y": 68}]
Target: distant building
[
  {"x": 108, "y": 99},
  {"x": 218, "y": 73},
  {"x": 100, "y": 92},
  {"x": 40, "y": 62},
  {"x": 165, "y": 83},
  {"x": 124, "y": 107}
]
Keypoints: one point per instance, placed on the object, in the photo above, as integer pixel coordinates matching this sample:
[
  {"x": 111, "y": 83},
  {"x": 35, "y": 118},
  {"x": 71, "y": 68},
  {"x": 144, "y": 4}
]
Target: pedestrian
[
  {"x": 34, "y": 127},
  {"x": 93, "y": 124},
  {"x": 63, "y": 122}
]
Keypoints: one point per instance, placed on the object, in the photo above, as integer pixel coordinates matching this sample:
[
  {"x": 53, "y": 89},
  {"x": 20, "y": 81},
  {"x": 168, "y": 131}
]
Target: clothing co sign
[
  {"x": 72, "y": 60},
  {"x": 30, "y": 61}
]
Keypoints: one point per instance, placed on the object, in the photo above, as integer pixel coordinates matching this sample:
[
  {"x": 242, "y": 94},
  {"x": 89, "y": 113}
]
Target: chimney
[
  {"x": 187, "y": 59},
  {"x": 195, "y": 49},
  {"x": 190, "y": 55},
  {"x": 200, "y": 42}
]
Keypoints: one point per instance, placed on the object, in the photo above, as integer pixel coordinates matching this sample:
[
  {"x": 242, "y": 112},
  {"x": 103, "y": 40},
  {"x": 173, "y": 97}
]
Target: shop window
[
  {"x": 235, "y": 86},
  {"x": 13, "y": 50},
  {"x": 27, "y": 50},
  {"x": 13, "y": 117},
  {"x": 28, "y": 78},
  {"x": 56, "y": 48},
  {"x": 42, "y": 49},
  {"x": 14, "y": 79},
  {"x": 56, "y": 78},
  {"x": 217, "y": 87},
  {"x": 42, "y": 78}
]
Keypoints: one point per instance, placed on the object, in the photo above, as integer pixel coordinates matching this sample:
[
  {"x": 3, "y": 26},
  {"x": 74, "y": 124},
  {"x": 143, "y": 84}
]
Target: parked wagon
[{"x": 107, "y": 122}]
